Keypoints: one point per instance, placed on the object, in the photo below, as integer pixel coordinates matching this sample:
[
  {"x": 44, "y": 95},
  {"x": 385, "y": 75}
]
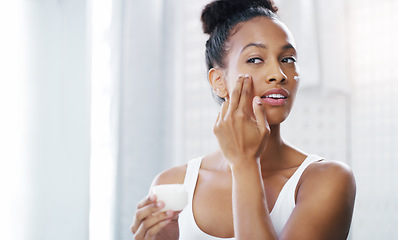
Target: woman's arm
[
  {"x": 324, "y": 204},
  {"x": 249, "y": 204},
  {"x": 242, "y": 137}
]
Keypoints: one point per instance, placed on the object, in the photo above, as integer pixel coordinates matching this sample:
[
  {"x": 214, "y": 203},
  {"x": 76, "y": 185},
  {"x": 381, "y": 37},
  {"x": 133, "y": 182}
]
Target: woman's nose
[{"x": 275, "y": 74}]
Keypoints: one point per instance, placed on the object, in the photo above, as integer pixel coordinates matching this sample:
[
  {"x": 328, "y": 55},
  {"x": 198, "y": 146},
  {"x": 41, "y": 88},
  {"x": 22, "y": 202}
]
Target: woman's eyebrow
[
  {"x": 288, "y": 46},
  {"x": 262, "y": 46},
  {"x": 258, "y": 45}
]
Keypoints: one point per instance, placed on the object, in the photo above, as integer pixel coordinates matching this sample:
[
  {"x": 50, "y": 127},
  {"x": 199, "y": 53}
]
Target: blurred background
[{"x": 98, "y": 97}]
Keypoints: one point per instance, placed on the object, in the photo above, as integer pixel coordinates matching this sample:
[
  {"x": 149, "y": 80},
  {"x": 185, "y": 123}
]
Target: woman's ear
[{"x": 217, "y": 81}]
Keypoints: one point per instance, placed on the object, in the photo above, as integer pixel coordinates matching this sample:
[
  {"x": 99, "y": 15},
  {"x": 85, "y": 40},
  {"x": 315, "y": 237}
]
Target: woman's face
[{"x": 265, "y": 49}]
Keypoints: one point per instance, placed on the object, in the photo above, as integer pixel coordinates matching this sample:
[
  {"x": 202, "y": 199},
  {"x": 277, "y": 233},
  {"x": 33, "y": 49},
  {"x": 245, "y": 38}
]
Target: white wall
[
  {"x": 320, "y": 118},
  {"x": 374, "y": 131}
]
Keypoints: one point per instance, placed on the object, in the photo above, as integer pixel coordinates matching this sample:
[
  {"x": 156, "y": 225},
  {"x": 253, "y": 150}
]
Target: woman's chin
[{"x": 275, "y": 117}]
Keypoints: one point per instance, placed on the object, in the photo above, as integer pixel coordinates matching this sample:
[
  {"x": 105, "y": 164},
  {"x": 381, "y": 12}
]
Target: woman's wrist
[{"x": 247, "y": 165}]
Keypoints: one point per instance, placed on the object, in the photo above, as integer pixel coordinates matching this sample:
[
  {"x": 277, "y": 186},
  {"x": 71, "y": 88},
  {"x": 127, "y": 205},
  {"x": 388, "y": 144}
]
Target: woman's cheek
[{"x": 231, "y": 80}]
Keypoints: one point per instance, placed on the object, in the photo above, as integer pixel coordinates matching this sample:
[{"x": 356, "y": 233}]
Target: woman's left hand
[{"x": 241, "y": 127}]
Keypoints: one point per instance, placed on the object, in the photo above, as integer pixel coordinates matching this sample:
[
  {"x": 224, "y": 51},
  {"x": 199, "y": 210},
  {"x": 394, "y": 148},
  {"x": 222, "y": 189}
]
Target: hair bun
[{"x": 219, "y": 11}]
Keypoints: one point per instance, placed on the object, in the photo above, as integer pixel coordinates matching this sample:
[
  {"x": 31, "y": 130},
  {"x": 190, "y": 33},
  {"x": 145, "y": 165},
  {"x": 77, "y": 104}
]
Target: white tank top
[{"x": 283, "y": 207}]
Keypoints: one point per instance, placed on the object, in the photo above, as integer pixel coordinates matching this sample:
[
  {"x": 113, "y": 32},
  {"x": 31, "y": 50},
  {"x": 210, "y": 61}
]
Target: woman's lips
[
  {"x": 275, "y": 97},
  {"x": 274, "y": 102}
]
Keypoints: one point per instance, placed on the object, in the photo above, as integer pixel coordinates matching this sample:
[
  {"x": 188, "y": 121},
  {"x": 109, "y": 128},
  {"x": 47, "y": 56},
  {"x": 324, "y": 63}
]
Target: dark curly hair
[{"x": 220, "y": 17}]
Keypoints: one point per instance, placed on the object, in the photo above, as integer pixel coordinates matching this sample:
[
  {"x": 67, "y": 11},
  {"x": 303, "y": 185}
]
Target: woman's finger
[
  {"x": 224, "y": 110},
  {"x": 235, "y": 96},
  {"x": 259, "y": 114},
  {"x": 246, "y": 98},
  {"x": 143, "y": 212},
  {"x": 140, "y": 214},
  {"x": 151, "y": 233},
  {"x": 149, "y": 199},
  {"x": 153, "y": 224},
  {"x": 221, "y": 116}
]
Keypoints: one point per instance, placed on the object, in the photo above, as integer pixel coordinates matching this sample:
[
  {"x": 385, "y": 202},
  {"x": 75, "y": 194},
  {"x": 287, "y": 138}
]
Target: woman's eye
[
  {"x": 255, "y": 60},
  {"x": 289, "y": 60}
]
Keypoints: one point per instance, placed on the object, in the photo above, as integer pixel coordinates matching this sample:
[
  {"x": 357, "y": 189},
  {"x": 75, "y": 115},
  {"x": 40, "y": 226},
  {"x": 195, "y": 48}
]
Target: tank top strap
[
  {"x": 285, "y": 202},
  {"x": 189, "y": 230},
  {"x": 297, "y": 174},
  {"x": 289, "y": 189},
  {"x": 191, "y": 176}
]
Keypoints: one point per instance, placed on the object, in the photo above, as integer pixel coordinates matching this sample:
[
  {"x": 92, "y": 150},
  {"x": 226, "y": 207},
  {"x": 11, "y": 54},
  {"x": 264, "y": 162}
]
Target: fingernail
[
  {"x": 258, "y": 100},
  {"x": 159, "y": 204},
  {"x": 169, "y": 213},
  {"x": 247, "y": 76},
  {"x": 152, "y": 198}
]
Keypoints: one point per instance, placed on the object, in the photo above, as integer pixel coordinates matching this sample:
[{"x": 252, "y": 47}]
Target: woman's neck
[
  {"x": 275, "y": 150},
  {"x": 274, "y": 157}
]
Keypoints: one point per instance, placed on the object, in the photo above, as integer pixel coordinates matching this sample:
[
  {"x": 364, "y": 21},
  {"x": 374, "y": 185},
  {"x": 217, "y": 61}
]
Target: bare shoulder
[
  {"x": 325, "y": 200},
  {"x": 175, "y": 175},
  {"x": 331, "y": 173}
]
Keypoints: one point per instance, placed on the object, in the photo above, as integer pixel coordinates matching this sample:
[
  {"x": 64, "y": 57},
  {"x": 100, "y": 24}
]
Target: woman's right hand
[
  {"x": 151, "y": 223},
  {"x": 242, "y": 129}
]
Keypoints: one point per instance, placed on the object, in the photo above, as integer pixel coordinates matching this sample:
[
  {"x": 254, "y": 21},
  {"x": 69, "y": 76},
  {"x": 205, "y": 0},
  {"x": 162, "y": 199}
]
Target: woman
[{"x": 255, "y": 186}]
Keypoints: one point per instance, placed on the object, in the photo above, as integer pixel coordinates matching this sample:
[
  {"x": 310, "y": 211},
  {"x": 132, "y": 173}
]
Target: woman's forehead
[{"x": 264, "y": 30}]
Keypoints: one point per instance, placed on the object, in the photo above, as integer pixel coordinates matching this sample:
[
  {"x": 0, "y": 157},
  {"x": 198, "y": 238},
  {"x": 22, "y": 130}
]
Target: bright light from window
[
  {"x": 102, "y": 182},
  {"x": 14, "y": 119}
]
